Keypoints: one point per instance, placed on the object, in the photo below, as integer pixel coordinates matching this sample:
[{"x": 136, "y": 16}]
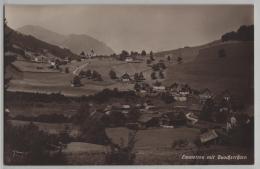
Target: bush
[
  {"x": 112, "y": 74},
  {"x": 153, "y": 76},
  {"x": 76, "y": 81},
  {"x": 161, "y": 75}
]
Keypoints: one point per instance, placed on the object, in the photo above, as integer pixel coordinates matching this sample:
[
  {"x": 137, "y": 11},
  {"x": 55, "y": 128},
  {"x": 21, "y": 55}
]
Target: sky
[{"x": 136, "y": 27}]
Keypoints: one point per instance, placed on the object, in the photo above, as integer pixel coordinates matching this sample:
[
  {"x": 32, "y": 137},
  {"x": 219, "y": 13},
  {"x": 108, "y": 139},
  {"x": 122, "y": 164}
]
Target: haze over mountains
[
  {"x": 21, "y": 43},
  {"x": 76, "y": 43}
]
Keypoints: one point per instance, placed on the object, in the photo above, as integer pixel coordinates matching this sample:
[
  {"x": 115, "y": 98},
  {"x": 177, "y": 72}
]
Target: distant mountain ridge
[
  {"x": 32, "y": 44},
  {"x": 76, "y": 43}
]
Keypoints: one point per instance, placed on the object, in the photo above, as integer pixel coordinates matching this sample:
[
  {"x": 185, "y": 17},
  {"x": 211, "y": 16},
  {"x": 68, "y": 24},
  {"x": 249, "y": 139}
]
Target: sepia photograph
[{"x": 136, "y": 84}]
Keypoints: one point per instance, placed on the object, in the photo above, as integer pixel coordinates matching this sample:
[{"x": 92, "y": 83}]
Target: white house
[
  {"x": 126, "y": 106},
  {"x": 159, "y": 88},
  {"x": 181, "y": 98},
  {"x": 129, "y": 59}
]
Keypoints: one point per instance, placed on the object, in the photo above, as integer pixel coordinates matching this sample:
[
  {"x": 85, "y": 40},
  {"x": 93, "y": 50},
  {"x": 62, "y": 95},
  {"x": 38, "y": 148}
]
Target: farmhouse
[
  {"x": 129, "y": 59},
  {"x": 125, "y": 77},
  {"x": 179, "y": 97},
  {"x": 205, "y": 95},
  {"x": 126, "y": 106},
  {"x": 82, "y": 55},
  {"x": 185, "y": 90},
  {"x": 174, "y": 87},
  {"x": 159, "y": 88},
  {"x": 67, "y": 59}
]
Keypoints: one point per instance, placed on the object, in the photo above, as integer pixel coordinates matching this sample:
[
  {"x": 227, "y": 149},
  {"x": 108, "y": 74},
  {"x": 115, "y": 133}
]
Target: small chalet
[
  {"x": 174, "y": 88},
  {"x": 129, "y": 59},
  {"x": 179, "y": 97},
  {"x": 185, "y": 90},
  {"x": 205, "y": 95},
  {"x": 159, "y": 88},
  {"x": 82, "y": 55},
  {"x": 125, "y": 77},
  {"x": 126, "y": 106},
  {"x": 67, "y": 59}
]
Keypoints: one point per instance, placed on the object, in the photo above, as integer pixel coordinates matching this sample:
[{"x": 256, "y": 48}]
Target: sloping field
[
  {"x": 13, "y": 72},
  {"x": 38, "y": 108},
  {"x": 53, "y": 82},
  {"x": 152, "y": 138},
  {"x": 32, "y": 66},
  {"x": 187, "y": 53},
  {"x": 233, "y": 72},
  {"x": 51, "y": 128}
]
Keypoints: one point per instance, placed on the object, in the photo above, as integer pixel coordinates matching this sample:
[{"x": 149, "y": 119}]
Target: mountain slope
[
  {"x": 79, "y": 43},
  {"x": 188, "y": 54},
  {"x": 76, "y": 43},
  {"x": 42, "y": 34},
  {"x": 234, "y": 72},
  {"x": 30, "y": 43}
]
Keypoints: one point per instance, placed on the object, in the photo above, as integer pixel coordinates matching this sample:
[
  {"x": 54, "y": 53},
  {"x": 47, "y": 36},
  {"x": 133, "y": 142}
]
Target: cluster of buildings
[
  {"x": 87, "y": 55},
  {"x": 46, "y": 58}
]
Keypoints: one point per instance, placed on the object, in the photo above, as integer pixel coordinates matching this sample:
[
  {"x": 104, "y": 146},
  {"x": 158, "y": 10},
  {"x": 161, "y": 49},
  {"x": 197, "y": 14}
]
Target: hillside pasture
[
  {"x": 53, "y": 82},
  {"x": 234, "y": 72},
  {"x": 28, "y": 66},
  {"x": 39, "y": 108},
  {"x": 149, "y": 139},
  {"x": 51, "y": 128}
]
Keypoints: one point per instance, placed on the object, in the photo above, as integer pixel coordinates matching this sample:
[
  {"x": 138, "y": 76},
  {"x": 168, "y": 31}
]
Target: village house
[
  {"x": 159, "y": 88},
  {"x": 179, "y": 97},
  {"x": 67, "y": 60},
  {"x": 129, "y": 59},
  {"x": 179, "y": 92},
  {"x": 144, "y": 88},
  {"x": 185, "y": 90},
  {"x": 125, "y": 108},
  {"x": 205, "y": 95},
  {"x": 83, "y": 56},
  {"x": 125, "y": 78},
  {"x": 174, "y": 88}
]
